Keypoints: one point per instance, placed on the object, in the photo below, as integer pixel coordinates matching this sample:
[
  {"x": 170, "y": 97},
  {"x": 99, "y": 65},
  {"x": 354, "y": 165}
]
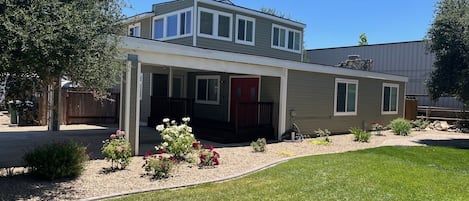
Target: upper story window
[
  {"x": 390, "y": 96},
  {"x": 134, "y": 30},
  {"x": 245, "y": 30},
  {"x": 207, "y": 89},
  {"x": 346, "y": 95},
  {"x": 215, "y": 24},
  {"x": 286, "y": 39},
  {"x": 173, "y": 25}
]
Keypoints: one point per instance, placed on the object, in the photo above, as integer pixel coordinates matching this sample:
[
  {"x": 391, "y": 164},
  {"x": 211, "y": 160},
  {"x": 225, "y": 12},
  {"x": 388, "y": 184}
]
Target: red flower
[
  {"x": 211, "y": 147},
  {"x": 147, "y": 155},
  {"x": 216, "y": 154},
  {"x": 195, "y": 145},
  {"x": 161, "y": 151}
]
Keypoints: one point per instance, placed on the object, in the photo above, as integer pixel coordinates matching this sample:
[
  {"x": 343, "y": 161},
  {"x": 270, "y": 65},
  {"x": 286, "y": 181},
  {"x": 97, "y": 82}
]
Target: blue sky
[{"x": 338, "y": 23}]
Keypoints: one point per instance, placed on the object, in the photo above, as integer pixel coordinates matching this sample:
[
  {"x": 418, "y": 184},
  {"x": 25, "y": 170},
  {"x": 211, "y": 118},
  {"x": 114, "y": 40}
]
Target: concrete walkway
[{"x": 16, "y": 141}]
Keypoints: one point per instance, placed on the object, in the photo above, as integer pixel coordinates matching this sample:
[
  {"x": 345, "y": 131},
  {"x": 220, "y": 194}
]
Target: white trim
[
  {"x": 161, "y": 53},
  {"x": 287, "y": 30},
  {"x": 215, "y": 15},
  {"x": 253, "y": 12},
  {"x": 164, "y": 17},
  {"x": 390, "y": 85},
  {"x": 229, "y": 90},
  {"x": 207, "y": 77},
  {"x": 127, "y": 100},
  {"x": 194, "y": 19},
  {"x": 347, "y": 82},
  {"x": 246, "y": 19},
  {"x": 137, "y": 111},
  {"x": 133, "y": 26},
  {"x": 137, "y": 17},
  {"x": 140, "y": 85},
  {"x": 282, "y": 104}
]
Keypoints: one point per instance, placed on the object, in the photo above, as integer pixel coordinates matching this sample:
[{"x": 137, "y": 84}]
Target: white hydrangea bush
[{"x": 177, "y": 139}]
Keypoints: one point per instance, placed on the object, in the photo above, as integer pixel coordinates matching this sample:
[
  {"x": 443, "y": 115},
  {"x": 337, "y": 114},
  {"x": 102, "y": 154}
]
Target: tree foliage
[
  {"x": 274, "y": 12},
  {"x": 448, "y": 39},
  {"x": 363, "y": 40},
  {"x": 54, "y": 39}
]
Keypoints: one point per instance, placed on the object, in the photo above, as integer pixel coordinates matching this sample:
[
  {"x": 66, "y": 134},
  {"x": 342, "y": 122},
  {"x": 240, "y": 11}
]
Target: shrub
[
  {"x": 377, "y": 127},
  {"x": 57, "y": 160},
  {"x": 323, "y": 133},
  {"x": 420, "y": 124},
  {"x": 117, "y": 150},
  {"x": 176, "y": 139},
  {"x": 360, "y": 135},
  {"x": 400, "y": 126},
  {"x": 158, "y": 166},
  {"x": 259, "y": 145},
  {"x": 208, "y": 157}
]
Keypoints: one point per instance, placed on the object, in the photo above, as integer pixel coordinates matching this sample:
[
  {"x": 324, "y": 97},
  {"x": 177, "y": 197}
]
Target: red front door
[{"x": 244, "y": 98}]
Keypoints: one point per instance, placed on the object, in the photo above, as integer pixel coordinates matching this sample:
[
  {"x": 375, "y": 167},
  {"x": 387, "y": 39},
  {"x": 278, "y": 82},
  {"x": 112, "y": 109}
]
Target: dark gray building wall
[
  {"x": 408, "y": 59},
  {"x": 210, "y": 111},
  {"x": 311, "y": 95}
]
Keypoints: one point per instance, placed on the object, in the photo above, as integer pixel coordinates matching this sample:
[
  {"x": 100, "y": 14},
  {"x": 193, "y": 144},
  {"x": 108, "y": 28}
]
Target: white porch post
[
  {"x": 282, "y": 110},
  {"x": 126, "y": 98},
  {"x": 131, "y": 114},
  {"x": 137, "y": 109}
]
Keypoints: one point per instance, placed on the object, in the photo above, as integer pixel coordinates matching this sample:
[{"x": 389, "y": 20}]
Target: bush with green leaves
[
  {"x": 323, "y": 133},
  {"x": 57, "y": 160},
  {"x": 400, "y": 126},
  {"x": 259, "y": 145},
  {"x": 360, "y": 135},
  {"x": 158, "y": 166},
  {"x": 420, "y": 124},
  {"x": 117, "y": 150},
  {"x": 177, "y": 140}
]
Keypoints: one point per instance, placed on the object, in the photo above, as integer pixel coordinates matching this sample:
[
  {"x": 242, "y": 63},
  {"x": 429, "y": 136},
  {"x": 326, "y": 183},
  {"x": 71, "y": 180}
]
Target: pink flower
[
  {"x": 119, "y": 132},
  {"x": 120, "y": 149},
  {"x": 113, "y": 136}
]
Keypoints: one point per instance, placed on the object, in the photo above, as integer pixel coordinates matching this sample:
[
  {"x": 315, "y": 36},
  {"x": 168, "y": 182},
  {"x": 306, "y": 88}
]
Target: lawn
[{"x": 386, "y": 173}]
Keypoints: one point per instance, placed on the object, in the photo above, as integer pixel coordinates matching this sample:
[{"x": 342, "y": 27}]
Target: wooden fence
[{"x": 80, "y": 107}]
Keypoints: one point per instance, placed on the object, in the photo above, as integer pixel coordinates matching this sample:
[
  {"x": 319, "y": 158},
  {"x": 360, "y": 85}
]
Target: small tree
[
  {"x": 55, "y": 39},
  {"x": 363, "y": 40},
  {"x": 448, "y": 39}
]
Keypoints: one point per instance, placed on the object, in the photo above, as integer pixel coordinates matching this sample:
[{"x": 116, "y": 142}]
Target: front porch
[
  {"x": 229, "y": 97},
  {"x": 245, "y": 125}
]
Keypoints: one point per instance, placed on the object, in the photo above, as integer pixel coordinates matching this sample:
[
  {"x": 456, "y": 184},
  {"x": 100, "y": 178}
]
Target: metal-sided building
[{"x": 410, "y": 59}]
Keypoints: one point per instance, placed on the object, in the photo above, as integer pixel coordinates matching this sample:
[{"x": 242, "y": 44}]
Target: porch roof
[{"x": 169, "y": 54}]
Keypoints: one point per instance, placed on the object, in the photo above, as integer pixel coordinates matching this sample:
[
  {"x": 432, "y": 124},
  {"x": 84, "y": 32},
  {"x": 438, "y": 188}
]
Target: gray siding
[
  {"x": 210, "y": 111},
  {"x": 171, "y": 6},
  {"x": 270, "y": 92},
  {"x": 408, "y": 59},
  {"x": 311, "y": 95},
  {"x": 262, "y": 38}
]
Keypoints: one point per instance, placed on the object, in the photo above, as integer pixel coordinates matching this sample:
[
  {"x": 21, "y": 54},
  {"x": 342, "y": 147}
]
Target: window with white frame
[
  {"x": 207, "y": 89},
  {"x": 245, "y": 30},
  {"x": 286, "y": 39},
  {"x": 390, "y": 103},
  {"x": 173, "y": 25},
  {"x": 134, "y": 30},
  {"x": 215, "y": 24},
  {"x": 346, "y": 96}
]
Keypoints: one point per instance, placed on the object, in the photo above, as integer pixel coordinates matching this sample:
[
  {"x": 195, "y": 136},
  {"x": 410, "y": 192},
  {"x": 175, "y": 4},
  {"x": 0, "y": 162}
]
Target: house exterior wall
[
  {"x": 270, "y": 92},
  {"x": 262, "y": 35},
  {"x": 410, "y": 59},
  {"x": 210, "y": 111},
  {"x": 311, "y": 95},
  {"x": 263, "y": 39}
]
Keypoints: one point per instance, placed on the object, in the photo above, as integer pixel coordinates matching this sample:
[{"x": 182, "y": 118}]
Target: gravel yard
[{"x": 235, "y": 161}]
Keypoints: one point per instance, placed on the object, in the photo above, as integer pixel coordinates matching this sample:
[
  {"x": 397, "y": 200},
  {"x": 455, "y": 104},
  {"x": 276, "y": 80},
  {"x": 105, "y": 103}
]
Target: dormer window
[
  {"x": 173, "y": 25},
  {"x": 215, "y": 24},
  {"x": 134, "y": 30},
  {"x": 286, "y": 39}
]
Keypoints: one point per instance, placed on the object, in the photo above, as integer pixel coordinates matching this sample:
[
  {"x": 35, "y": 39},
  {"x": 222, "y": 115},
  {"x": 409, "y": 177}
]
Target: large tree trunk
[{"x": 53, "y": 119}]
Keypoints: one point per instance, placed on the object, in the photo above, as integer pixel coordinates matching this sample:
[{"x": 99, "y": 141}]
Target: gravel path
[{"x": 235, "y": 161}]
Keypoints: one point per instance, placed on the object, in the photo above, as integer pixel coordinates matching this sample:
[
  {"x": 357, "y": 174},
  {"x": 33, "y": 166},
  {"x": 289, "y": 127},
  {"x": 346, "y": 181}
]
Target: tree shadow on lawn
[
  {"x": 454, "y": 143},
  {"x": 25, "y": 187}
]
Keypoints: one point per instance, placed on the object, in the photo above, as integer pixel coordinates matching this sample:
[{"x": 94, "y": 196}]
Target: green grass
[{"x": 386, "y": 173}]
